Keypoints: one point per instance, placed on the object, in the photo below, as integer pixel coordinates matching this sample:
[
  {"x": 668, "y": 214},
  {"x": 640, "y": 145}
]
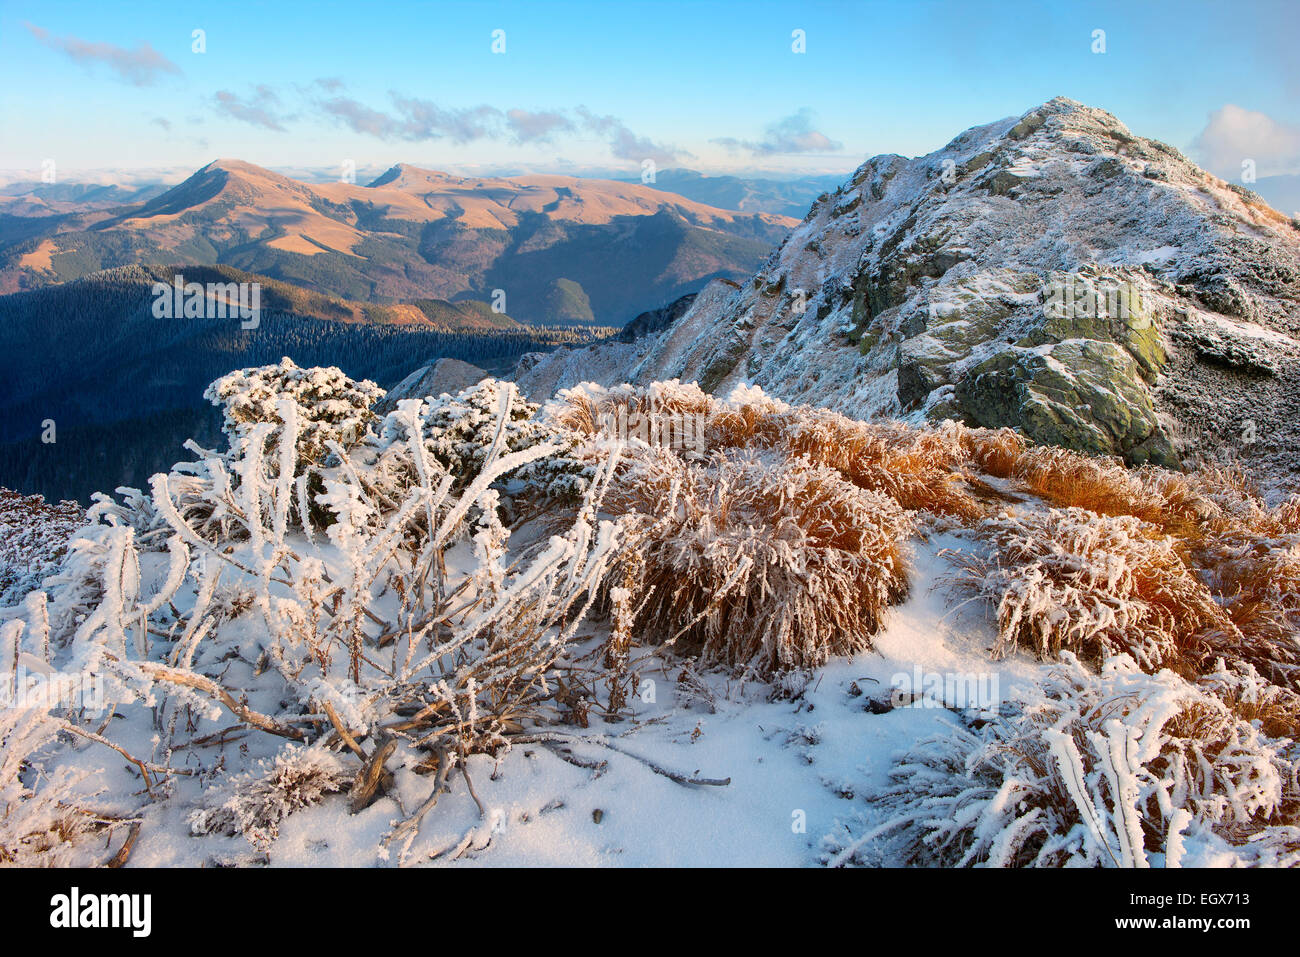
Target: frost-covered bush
[
  {"x": 330, "y": 406},
  {"x": 747, "y": 562},
  {"x": 461, "y": 431},
  {"x": 282, "y": 420},
  {"x": 33, "y": 539},
  {"x": 1113, "y": 769},
  {"x": 1069, "y": 579},
  {"x": 402, "y": 622},
  {"x": 43, "y": 822},
  {"x": 255, "y": 804}
]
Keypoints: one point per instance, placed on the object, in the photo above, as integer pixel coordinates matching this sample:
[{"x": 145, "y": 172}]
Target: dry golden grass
[
  {"x": 925, "y": 470},
  {"x": 1209, "y": 569},
  {"x": 1253, "y": 698},
  {"x": 919, "y": 469},
  {"x": 997, "y": 451},
  {"x": 1288, "y": 514},
  {"x": 589, "y": 413},
  {"x": 1246, "y": 552},
  {"x": 760, "y": 565},
  {"x": 1054, "y": 779},
  {"x": 1069, "y": 580},
  {"x": 1103, "y": 485},
  {"x": 1257, "y": 581}
]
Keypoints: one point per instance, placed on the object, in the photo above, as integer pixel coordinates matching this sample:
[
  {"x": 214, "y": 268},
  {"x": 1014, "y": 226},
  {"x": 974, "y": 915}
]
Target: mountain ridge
[
  {"x": 410, "y": 234},
  {"x": 919, "y": 290}
]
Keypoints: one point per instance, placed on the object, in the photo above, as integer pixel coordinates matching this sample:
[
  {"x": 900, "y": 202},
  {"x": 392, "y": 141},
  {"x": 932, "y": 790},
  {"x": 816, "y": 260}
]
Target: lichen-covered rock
[{"x": 1083, "y": 394}]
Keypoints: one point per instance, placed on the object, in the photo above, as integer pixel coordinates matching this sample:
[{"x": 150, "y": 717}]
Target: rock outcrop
[{"x": 442, "y": 375}]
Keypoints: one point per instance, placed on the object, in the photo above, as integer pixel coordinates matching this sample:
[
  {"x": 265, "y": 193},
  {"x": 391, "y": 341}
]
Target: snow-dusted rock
[{"x": 443, "y": 375}]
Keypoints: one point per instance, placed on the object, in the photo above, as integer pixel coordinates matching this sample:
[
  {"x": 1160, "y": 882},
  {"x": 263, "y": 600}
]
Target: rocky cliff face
[{"x": 1052, "y": 272}]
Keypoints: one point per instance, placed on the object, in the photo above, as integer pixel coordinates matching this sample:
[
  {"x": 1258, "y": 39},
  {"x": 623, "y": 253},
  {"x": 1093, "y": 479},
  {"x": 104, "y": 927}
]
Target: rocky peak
[{"x": 1052, "y": 272}]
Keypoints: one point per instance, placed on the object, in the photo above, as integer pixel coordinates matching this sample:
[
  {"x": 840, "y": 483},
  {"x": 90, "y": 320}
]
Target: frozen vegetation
[{"x": 475, "y": 631}]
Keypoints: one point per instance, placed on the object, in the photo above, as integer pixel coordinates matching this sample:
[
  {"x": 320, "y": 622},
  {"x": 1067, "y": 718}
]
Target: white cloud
[
  {"x": 1234, "y": 134},
  {"x": 792, "y": 135},
  {"x": 139, "y": 67}
]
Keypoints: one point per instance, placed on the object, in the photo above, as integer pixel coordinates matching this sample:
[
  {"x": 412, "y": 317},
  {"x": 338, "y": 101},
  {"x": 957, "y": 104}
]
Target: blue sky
[{"x": 707, "y": 84}]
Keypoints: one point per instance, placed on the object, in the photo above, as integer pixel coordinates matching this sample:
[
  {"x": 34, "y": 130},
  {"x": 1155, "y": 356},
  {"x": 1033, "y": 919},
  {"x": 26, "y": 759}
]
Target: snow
[{"x": 541, "y": 807}]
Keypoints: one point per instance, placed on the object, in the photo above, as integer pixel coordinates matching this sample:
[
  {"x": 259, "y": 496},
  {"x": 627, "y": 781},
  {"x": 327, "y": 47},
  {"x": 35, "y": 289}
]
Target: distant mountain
[
  {"x": 1053, "y": 273},
  {"x": 555, "y": 247},
  {"x": 28, "y": 199},
  {"x": 124, "y": 388},
  {"x": 785, "y": 197}
]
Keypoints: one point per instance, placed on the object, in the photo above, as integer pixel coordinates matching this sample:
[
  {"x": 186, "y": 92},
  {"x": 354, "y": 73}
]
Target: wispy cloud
[
  {"x": 1233, "y": 135},
  {"x": 417, "y": 120},
  {"x": 793, "y": 134},
  {"x": 536, "y": 127},
  {"x": 360, "y": 118},
  {"x": 257, "y": 109},
  {"x": 139, "y": 67},
  {"x": 625, "y": 144},
  {"x": 426, "y": 120}
]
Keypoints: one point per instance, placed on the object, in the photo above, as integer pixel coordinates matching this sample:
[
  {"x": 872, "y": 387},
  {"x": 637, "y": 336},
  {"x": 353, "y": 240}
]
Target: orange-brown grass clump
[
  {"x": 1104, "y": 485},
  {"x": 925, "y": 470},
  {"x": 1257, "y": 581},
  {"x": 916, "y": 468},
  {"x": 1216, "y": 570},
  {"x": 1248, "y": 552},
  {"x": 1070, "y": 580},
  {"x": 770, "y": 566},
  {"x": 592, "y": 410},
  {"x": 1193, "y": 506},
  {"x": 1245, "y": 551},
  {"x": 1253, "y": 698}
]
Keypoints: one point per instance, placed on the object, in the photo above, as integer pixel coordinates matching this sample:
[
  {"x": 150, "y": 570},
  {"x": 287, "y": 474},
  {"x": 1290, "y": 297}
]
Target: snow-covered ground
[
  {"x": 324, "y": 646},
  {"x": 798, "y": 766}
]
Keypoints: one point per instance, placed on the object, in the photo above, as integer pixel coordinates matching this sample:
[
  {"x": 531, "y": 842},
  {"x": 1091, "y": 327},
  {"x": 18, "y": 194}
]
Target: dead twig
[
  {"x": 209, "y": 687},
  {"x": 370, "y": 776},
  {"x": 546, "y": 739},
  {"x": 98, "y": 739},
  {"x": 343, "y": 732},
  {"x": 410, "y": 827},
  {"x": 124, "y": 852}
]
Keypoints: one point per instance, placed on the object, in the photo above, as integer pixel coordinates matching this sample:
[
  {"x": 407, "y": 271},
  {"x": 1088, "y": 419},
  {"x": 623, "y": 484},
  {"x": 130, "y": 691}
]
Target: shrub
[
  {"x": 1112, "y": 769},
  {"x": 411, "y": 658},
  {"x": 330, "y": 406},
  {"x": 43, "y": 821},
  {"x": 1069, "y": 580},
  {"x": 34, "y": 537},
  {"x": 461, "y": 431},
  {"x": 757, "y": 564}
]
